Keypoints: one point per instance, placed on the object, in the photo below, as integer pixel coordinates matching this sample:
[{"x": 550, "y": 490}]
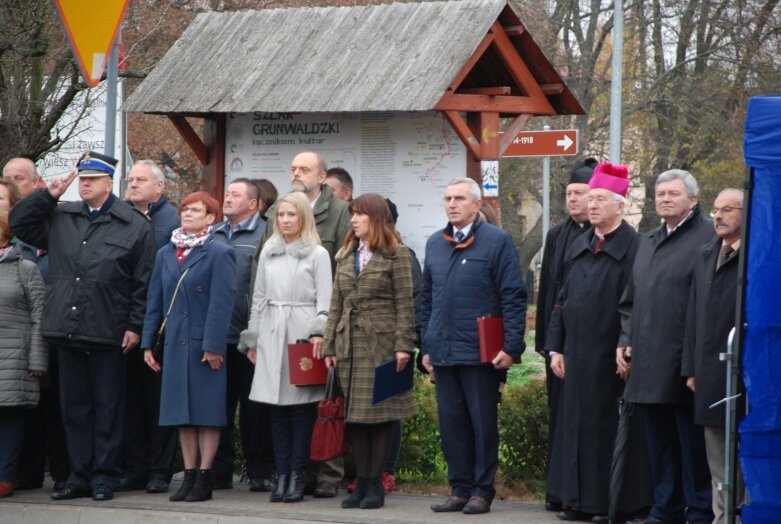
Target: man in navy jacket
[{"x": 471, "y": 270}]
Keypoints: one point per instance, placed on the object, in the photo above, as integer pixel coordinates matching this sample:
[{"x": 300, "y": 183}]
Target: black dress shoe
[
  {"x": 70, "y": 492},
  {"x": 553, "y": 506},
  {"x": 130, "y": 484},
  {"x": 451, "y": 504},
  {"x": 101, "y": 493},
  {"x": 59, "y": 485},
  {"x": 325, "y": 490},
  {"x": 574, "y": 515},
  {"x": 620, "y": 518},
  {"x": 157, "y": 485},
  {"x": 23, "y": 484},
  {"x": 476, "y": 506}
]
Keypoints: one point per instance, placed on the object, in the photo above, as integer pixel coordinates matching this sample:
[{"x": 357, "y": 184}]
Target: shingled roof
[{"x": 387, "y": 57}]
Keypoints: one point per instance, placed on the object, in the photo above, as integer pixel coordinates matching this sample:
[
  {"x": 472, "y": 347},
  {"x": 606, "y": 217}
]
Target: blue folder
[{"x": 388, "y": 383}]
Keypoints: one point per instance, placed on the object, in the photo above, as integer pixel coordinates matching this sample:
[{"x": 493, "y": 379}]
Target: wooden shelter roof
[{"x": 386, "y": 57}]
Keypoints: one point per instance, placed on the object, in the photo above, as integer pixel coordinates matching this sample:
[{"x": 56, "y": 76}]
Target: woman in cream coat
[{"x": 290, "y": 302}]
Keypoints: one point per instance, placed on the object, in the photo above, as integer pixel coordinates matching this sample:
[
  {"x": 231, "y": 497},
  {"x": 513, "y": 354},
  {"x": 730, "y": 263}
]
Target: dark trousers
[
  {"x": 679, "y": 464},
  {"x": 92, "y": 391},
  {"x": 148, "y": 449},
  {"x": 291, "y": 429},
  {"x": 254, "y": 424},
  {"x": 554, "y": 385},
  {"x": 44, "y": 434},
  {"x": 11, "y": 437},
  {"x": 393, "y": 456},
  {"x": 467, "y": 398}
]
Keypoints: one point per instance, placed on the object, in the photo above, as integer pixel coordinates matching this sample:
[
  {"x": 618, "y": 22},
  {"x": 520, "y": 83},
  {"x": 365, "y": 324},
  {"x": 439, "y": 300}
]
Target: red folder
[
  {"x": 305, "y": 370},
  {"x": 490, "y": 334}
]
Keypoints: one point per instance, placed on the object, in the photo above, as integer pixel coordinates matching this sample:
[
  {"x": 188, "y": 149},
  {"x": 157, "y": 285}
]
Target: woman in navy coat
[{"x": 194, "y": 377}]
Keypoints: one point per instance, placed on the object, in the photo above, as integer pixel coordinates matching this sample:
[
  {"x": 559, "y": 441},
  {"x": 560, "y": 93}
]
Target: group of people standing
[{"x": 638, "y": 319}]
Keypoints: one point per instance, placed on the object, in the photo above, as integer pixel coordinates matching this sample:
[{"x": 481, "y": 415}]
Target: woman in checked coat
[{"x": 371, "y": 321}]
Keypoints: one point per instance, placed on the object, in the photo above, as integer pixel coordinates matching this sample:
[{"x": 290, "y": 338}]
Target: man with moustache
[
  {"x": 711, "y": 316},
  {"x": 242, "y": 229},
  {"x": 102, "y": 252},
  {"x": 552, "y": 277},
  {"x": 584, "y": 329},
  {"x": 654, "y": 311},
  {"x": 308, "y": 172}
]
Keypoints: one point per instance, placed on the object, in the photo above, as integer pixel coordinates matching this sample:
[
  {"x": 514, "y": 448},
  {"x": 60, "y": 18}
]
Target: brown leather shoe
[
  {"x": 451, "y": 504},
  {"x": 6, "y": 489},
  {"x": 476, "y": 506}
]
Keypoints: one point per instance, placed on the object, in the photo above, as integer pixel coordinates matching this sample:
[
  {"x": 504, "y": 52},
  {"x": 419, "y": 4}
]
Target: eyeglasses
[
  {"x": 723, "y": 210},
  {"x": 193, "y": 210}
]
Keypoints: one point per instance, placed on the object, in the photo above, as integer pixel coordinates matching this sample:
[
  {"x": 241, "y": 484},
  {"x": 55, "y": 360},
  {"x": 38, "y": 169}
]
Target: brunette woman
[{"x": 371, "y": 321}]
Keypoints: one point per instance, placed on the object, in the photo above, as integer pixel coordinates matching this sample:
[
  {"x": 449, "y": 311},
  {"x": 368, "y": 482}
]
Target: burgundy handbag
[{"x": 328, "y": 437}]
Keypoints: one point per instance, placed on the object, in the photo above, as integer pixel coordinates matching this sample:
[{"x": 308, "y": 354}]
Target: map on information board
[{"x": 407, "y": 157}]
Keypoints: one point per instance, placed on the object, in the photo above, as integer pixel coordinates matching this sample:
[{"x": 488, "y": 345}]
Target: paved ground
[{"x": 240, "y": 506}]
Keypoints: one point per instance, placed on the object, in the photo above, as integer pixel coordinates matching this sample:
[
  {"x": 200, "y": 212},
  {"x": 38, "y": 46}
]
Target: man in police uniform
[{"x": 101, "y": 252}]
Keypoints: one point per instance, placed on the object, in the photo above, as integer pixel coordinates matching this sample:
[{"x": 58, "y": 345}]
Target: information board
[{"x": 407, "y": 157}]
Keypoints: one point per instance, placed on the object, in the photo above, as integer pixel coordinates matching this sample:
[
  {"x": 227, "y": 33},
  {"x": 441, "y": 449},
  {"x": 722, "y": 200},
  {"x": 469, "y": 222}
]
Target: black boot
[
  {"x": 184, "y": 489},
  {"x": 203, "y": 487},
  {"x": 375, "y": 494},
  {"x": 295, "y": 490},
  {"x": 354, "y": 500},
  {"x": 279, "y": 492}
]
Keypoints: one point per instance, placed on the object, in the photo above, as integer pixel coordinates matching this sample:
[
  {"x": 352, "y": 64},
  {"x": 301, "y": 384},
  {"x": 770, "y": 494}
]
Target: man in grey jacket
[{"x": 243, "y": 229}]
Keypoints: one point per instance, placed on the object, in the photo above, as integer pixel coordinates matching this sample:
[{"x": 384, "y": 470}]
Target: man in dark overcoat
[
  {"x": 653, "y": 330},
  {"x": 101, "y": 253},
  {"x": 711, "y": 316},
  {"x": 552, "y": 276},
  {"x": 148, "y": 448},
  {"x": 471, "y": 270}
]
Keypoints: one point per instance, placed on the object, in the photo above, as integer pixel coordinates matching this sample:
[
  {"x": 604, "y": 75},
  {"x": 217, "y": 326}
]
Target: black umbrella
[{"x": 625, "y": 411}]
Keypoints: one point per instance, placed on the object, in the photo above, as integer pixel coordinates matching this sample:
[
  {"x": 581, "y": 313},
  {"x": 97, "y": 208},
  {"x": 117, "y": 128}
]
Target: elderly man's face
[
  {"x": 142, "y": 186},
  {"x": 460, "y": 205},
  {"x": 22, "y": 172},
  {"x": 604, "y": 211},
  {"x": 673, "y": 203},
  {"x": 728, "y": 215},
  {"x": 307, "y": 174}
]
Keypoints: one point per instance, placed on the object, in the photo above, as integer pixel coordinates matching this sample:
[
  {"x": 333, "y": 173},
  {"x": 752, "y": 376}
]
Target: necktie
[
  {"x": 724, "y": 255},
  {"x": 459, "y": 236}
]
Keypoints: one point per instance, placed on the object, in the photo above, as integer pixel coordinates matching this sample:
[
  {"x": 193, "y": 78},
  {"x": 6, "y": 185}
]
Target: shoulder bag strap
[{"x": 173, "y": 299}]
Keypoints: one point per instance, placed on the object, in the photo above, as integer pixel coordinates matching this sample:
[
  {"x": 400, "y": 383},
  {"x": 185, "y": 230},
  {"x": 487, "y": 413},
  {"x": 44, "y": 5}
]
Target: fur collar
[{"x": 277, "y": 246}]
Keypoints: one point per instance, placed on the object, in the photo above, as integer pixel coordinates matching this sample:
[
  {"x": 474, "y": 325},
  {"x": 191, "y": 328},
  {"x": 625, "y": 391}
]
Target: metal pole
[
  {"x": 112, "y": 73},
  {"x": 545, "y": 195},
  {"x": 616, "y": 82}
]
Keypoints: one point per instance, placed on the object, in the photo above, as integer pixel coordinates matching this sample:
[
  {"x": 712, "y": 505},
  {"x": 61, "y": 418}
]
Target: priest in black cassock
[
  {"x": 584, "y": 330},
  {"x": 552, "y": 276}
]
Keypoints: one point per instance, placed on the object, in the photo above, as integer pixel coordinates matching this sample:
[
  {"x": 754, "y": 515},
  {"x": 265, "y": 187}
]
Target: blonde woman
[{"x": 290, "y": 302}]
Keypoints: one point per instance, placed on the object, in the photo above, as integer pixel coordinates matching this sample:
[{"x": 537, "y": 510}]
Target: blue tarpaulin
[{"x": 760, "y": 431}]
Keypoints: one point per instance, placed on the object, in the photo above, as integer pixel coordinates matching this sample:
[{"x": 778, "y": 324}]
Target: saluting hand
[{"x": 58, "y": 186}]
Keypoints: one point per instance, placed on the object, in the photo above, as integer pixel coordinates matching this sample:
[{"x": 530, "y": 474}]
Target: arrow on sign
[
  {"x": 566, "y": 142},
  {"x": 92, "y": 27}
]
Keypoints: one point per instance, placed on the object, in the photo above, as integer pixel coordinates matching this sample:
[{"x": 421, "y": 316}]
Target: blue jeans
[
  {"x": 291, "y": 431},
  {"x": 11, "y": 439},
  {"x": 467, "y": 398}
]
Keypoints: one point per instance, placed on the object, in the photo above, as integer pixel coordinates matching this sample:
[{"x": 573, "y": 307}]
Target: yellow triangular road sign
[{"x": 92, "y": 26}]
